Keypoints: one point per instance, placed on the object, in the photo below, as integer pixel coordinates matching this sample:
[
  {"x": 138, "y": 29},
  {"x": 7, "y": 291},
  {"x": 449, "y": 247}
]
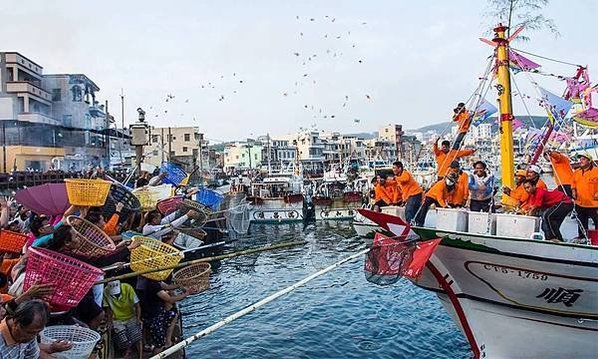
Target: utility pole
[
  {"x": 4, "y": 147},
  {"x": 169, "y": 145},
  {"x": 122, "y": 119},
  {"x": 269, "y": 167},
  {"x": 107, "y": 136},
  {"x": 162, "y": 144},
  {"x": 201, "y": 154}
]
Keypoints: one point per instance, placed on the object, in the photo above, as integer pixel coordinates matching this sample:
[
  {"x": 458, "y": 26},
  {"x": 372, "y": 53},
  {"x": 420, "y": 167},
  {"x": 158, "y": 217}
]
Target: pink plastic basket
[{"x": 72, "y": 278}]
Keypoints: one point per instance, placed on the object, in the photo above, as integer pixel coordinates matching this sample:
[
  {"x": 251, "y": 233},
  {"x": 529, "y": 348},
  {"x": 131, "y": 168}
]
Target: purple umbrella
[{"x": 49, "y": 198}]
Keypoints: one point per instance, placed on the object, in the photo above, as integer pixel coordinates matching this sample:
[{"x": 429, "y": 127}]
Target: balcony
[
  {"x": 37, "y": 118},
  {"x": 22, "y": 87}
]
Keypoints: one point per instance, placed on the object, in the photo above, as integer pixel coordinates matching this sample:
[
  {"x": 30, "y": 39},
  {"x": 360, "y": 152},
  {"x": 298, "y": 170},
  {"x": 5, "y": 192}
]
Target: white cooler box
[
  {"x": 451, "y": 219},
  {"x": 516, "y": 226},
  {"x": 394, "y": 211},
  {"x": 481, "y": 223}
]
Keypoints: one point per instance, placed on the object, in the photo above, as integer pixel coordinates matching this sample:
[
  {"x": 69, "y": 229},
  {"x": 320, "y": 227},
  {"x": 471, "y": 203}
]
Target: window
[
  {"x": 185, "y": 149},
  {"x": 155, "y": 138},
  {"x": 56, "y": 95},
  {"x": 187, "y": 137}
]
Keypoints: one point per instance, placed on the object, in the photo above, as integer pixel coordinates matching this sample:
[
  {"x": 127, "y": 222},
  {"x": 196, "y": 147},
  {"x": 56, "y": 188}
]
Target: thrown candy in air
[
  {"x": 187, "y": 101},
  {"x": 296, "y": 53},
  {"x": 356, "y": 120},
  {"x": 368, "y": 97},
  {"x": 360, "y": 61},
  {"x": 285, "y": 94},
  {"x": 301, "y": 34},
  {"x": 312, "y": 19},
  {"x": 304, "y": 75},
  {"x": 332, "y": 116}
]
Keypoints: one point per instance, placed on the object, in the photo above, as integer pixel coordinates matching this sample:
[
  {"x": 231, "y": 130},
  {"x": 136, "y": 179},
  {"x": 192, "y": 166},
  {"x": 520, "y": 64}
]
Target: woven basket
[
  {"x": 153, "y": 254},
  {"x": 72, "y": 278},
  {"x": 94, "y": 241},
  {"x": 12, "y": 241},
  {"x": 169, "y": 205},
  {"x": 83, "y": 339},
  {"x": 195, "y": 277},
  {"x": 87, "y": 192},
  {"x": 150, "y": 196},
  {"x": 122, "y": 194}
]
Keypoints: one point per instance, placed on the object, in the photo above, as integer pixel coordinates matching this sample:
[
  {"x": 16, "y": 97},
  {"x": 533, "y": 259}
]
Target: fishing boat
[
  {"x": 335, "y": 197},
  {"x": 511, "y": 293},
  {"x": 277, "y": 199}
]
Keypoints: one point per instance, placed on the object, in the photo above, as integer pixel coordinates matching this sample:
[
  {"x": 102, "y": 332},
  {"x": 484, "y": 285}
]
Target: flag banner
[
  {"x": 556, "y": 107},
  {"x": 387, "y": 259},
  {"x": 484, "y": 110},
  {"x": 518, "y": 62},
  {"x": 421, "y": 255}
]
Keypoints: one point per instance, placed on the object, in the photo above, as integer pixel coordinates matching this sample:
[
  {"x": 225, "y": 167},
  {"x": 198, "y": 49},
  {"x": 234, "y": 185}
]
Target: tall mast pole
[{"x": 505, "y": 106}]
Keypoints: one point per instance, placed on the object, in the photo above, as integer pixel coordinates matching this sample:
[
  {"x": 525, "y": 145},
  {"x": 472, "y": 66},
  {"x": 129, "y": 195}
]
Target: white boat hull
[{"x": 518, "y": 298}]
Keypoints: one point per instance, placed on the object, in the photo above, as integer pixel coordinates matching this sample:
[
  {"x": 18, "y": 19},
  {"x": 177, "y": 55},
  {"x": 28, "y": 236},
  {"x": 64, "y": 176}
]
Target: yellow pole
[{"x": 505, "y": 106}]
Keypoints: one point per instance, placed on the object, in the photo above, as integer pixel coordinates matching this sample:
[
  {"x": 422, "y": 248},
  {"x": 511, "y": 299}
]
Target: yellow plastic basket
[
  {"x": 87, "y": 192},
  {"x": 149, "y": 253},
  {"x": 150, "y": 196}
]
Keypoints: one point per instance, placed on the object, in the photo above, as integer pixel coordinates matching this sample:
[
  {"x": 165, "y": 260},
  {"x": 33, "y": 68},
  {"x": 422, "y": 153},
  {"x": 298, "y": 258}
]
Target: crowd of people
[
  {"x": 576, "y": 190},
  {"x": 128, "y": 308}
]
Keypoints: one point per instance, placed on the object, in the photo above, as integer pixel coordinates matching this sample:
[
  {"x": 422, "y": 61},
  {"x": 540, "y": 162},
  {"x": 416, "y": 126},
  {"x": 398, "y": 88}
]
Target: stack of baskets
[
  {"x": 94, "y": 241},
  {"x": 195, "y": 277},
  {"x": 11, "y": 241},
  {"x": 150, "y": 196},
  {"x": 174, "y": 174},
  {"x": 149, "y": 253},
  {"x": 83, "y": 340},
  {"x": 87, "y": 192},
  {"x": 72, "y": 278}
]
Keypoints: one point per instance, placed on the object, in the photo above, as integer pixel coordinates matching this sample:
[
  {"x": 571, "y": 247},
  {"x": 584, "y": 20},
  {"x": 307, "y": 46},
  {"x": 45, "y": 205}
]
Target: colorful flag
[
  {"x": 556, "y": 107},
  {"x": 421, "y": 256},
  {"x": 484, "y": 110},
  {"x": 518, "y": 62},
  {"x": 387, "y": 259}
]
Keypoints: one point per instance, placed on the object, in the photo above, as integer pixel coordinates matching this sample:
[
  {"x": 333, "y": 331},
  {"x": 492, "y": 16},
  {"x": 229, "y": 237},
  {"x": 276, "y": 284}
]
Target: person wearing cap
[
  {"x": 556, "y": 206},
  {"x": 585, "y": 193},
  {"x": 533, "y": 174},
  {"x": 123, "y": 315},
  {"x": 563, "y": 173},
  {"x": 463, "y": 119},
  {"x": 481, "y": 187},
  {"x": 518, "y": 193},
  {"x": 439, "y": 194},
  {"x": 445, "y": 155},
  {"x": 461, "y": 192},
  {"x": 409, "y": 189},
  {"x": 384, "y": 192}
]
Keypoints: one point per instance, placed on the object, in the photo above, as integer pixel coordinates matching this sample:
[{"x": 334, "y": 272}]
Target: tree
[{"x": 516, "y": 13}]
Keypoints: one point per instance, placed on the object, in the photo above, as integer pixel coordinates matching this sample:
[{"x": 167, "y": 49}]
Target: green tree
[{"x": 516, "y": 13}]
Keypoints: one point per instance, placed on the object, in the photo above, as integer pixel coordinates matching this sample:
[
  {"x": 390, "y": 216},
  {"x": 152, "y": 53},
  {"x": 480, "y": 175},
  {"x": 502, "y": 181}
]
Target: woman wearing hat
[
  {"x": 533, "y": 174},
  {"x": 585, "y": 192}
]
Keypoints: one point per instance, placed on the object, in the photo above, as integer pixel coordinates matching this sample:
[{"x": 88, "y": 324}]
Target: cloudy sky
[{"x": 238, "y": 69}]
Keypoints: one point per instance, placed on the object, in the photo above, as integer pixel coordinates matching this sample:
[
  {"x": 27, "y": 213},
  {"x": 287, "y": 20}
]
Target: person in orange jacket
[
  {"x": 563, "y": 173},
  {"x": 445, "y": 155},
  {"x": 410, "y": 190},
  {"x": 518, "y": 193},
  {"x": 533, "y": 174},
  {"x": 384, "y": 193},
  {"x": 461, "y": 192},
  {"x": 463, "y": 119},
  {"x": 585, "y": 193},
  {"x": 439, "y": 194}
]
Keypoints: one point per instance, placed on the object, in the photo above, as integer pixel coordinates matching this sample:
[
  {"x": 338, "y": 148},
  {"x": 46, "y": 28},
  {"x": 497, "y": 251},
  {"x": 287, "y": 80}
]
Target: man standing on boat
[
  {"x": 563, "y": 173},
  {"x": 461, "y": 192},
  {"x": 439, "y": 194},
  {"x": 533, "y": 174},
  {"x": 585, "y": 193},
  {"x": 410, "y": 190},
  {"x": 518, "y": 194},
  {"x": 463, "y": 119},
  {"x": 445, "y": 155},
  {"x": 481, "y": 187},
  {"x": 557, "y": 206}
]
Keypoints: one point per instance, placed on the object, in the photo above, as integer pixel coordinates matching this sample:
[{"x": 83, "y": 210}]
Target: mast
[{"x": 505, "y": 106}]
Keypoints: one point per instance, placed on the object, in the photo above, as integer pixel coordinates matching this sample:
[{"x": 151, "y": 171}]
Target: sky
[{"x": 238, "y": 69}]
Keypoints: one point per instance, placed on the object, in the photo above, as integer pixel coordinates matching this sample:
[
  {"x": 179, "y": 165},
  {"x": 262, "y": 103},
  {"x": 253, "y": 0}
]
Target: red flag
[
  {"x": 387, "y": 259},
  {"x": 421, "y": 255}
]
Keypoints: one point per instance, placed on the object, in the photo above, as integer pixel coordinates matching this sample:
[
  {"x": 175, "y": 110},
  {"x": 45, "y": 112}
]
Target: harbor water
[{"x": 338, "y": 315}]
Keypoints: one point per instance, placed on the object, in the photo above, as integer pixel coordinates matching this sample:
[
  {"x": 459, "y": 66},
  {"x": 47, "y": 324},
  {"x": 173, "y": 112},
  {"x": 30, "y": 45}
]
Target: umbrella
[{"x": 49, "y": 198}]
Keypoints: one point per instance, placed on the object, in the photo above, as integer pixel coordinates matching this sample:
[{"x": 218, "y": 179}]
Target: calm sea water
[{"x": 339, "y": 315}]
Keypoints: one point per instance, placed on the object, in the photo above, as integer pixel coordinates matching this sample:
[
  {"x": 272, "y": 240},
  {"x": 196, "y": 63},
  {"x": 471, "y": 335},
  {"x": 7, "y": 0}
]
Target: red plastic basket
[
  {"x": 169, "y": 205},
  {"x": 72, "y": 278},
  {"x": 12, "y": 241}
]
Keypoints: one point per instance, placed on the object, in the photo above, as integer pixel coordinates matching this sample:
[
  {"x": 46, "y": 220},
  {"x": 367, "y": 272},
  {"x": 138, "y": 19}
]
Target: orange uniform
[
  {"x": 440, "y": 193},
  {"x": 541, "y": 184},
  {"x": 519, "y": 194},
  {"x": 406, "y": 186},
  {"x": 463, "y": 120},
  {"x": 585, "y": 183},
  {"x": 385, "y": 193},
  {"x": 110, "y": 226},
  {"x": 562, "y": 168},
  {"x": 443, "y": 160},
  {"x": 461, "y": 192}
]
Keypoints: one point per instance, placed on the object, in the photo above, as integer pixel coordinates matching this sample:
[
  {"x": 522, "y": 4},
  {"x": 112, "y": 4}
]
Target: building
[
  {"x": 278, "y": 153},
  {"x": 243, "y": 155},
  {"x": 180, "y": 145},
  {"x": 29, "y": 132},
  {"x": 392, "y": 134}
]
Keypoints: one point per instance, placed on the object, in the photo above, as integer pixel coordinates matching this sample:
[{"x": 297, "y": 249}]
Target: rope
[
  {"x": 547, "y": 58},
  {"x": 256, "y": 306}
]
